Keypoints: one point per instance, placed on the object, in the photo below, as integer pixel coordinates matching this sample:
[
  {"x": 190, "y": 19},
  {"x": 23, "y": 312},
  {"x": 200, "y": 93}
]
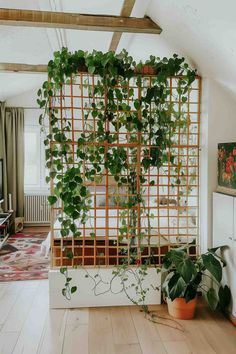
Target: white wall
[
  {"x": 204, "y": 165},
  {"x": 27, "y": 101},
  {"x": 221, "y": 127},
  {"x": 154, "y": 45},
  {"x": 202, "y": 30}
]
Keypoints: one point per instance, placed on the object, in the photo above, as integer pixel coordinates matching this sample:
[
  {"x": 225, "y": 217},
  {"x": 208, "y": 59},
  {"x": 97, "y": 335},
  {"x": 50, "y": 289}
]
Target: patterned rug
[{"x": 20, "y": 258}]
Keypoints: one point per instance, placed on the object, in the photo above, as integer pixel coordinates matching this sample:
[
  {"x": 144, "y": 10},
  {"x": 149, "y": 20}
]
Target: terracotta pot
[
  {"x": 181, "y": 309},
  {"x": 146, "y": 70},
  {"x": 82, "y": 68}
]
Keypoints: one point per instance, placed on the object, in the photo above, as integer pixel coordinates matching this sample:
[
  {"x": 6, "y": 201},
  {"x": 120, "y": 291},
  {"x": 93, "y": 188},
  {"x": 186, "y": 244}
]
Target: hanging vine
[{"x": 150, "y": 119}]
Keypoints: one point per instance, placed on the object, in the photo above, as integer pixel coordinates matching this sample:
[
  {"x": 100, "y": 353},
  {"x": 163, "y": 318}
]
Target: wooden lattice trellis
[{"x": 169, "y": 214}]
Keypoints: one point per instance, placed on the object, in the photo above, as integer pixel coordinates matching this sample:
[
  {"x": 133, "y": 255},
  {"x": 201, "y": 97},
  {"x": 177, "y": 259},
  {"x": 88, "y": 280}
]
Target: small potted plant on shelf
[
  {"x": 183, "y": 276},
  {"x": 145, "y": 69}
]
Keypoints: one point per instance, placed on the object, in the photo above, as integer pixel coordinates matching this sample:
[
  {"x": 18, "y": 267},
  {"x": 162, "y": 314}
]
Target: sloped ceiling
[
  {"x": 36, "y": 45},
  {"x": 204, "y": 31}
]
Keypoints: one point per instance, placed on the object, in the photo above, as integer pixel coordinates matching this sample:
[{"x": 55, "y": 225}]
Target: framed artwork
[{"x": 227, "y": 168}]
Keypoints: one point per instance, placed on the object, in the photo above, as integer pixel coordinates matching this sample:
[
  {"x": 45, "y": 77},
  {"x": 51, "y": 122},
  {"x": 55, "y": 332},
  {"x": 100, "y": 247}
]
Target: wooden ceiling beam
[
  {"x": 23, "y": 68},
  {"x": 126, "y": 10},
  {"x": 49, "y": 19}
]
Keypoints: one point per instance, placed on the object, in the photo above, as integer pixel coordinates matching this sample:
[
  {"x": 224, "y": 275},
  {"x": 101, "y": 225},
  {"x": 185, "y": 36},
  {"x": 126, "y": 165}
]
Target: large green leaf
[
  {"x": 190, "y": 292},
  {"x": 177, "y": 256},
  {"x": 224, "y": 296},
  {"x": 212, "y": 299},
  {"x": 176, "y": 287},
  {"x": 165, "y": 278},
  {"x": 167, "y": 262},
  {"x": 217, "y": 253},
  {"x": 186, "y": 269},
  {"x": 197, "y": 280},
  {"x": 213, "y": 266},
  {"x": 215, "y": 249}
]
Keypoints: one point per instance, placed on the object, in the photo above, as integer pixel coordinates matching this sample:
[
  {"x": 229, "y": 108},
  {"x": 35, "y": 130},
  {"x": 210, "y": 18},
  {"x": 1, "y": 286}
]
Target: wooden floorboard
[
  {"x": 52, "y": 338},
  {"x": 128, "y": 349},
  {"x": 27, "y": 326},
  {"x": 36, "y": 229},
  {"x": 148, "y": 335},
  {"x": 123, "y": 328},
  {"x": 100, "y": 328},
  {"x": 8, "y": 341}
]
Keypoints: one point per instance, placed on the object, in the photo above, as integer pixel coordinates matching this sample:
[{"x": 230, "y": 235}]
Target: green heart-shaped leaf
[
  {"x": 213, "y": 266},
  {"x": 176, "y": 287},
  {"x": 212, "y": 299},
  {"x": 187, "y": 269}
]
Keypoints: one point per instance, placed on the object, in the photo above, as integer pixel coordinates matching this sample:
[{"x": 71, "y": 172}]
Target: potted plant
[
  {"x": 183, "y": 276},
  {"x": 145, "y": 69}
]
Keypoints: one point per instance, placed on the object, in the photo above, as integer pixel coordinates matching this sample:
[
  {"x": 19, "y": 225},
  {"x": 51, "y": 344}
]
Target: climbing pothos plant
[{"x": 149, "y": 118}]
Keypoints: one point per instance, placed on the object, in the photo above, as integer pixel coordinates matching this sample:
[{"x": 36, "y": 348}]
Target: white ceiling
[
  {"x": 36, "y": 45},
  {"x": 204, "y": 31},
  {"x": 14, "y": 84}
]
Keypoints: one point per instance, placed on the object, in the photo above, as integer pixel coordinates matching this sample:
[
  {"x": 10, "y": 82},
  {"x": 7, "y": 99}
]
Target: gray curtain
[{"x": 12, "y": 152}]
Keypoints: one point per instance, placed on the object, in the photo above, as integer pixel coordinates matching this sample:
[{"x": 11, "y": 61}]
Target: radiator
[{"x": 36, "y": 209}]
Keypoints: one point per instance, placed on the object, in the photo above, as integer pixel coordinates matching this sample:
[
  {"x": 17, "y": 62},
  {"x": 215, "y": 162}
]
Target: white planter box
[{"x": 85, "y": 296}]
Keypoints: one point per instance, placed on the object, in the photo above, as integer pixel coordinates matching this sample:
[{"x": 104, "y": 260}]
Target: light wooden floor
[{"x": 27, "y": 326}]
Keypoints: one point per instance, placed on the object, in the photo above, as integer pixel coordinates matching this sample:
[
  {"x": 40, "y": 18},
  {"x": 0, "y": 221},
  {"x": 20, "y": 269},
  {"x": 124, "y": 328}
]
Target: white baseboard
[{"x": 85, "y": 296}]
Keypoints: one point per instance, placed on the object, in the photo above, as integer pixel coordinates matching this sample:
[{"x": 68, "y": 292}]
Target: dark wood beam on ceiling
[
  {"x": 48, "y": 19},
  {"x": 23, "y": 68},
  {"x": 126, "y": 10}
]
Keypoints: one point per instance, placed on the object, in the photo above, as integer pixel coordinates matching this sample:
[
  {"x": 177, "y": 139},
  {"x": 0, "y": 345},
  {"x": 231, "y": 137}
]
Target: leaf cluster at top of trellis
[{"x": 150, "y": 119}]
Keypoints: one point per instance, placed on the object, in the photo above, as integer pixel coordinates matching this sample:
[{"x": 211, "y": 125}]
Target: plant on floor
[
  {"x": 150, "y": 119},
  {"x": 183, "y": 276}
]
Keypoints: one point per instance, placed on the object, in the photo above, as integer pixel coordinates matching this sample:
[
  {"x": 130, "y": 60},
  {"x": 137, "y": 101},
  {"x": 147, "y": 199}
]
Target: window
[{"x": 35, "y": 170}]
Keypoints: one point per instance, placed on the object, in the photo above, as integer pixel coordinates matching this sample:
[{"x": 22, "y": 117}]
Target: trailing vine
[{"x": 149, "y": 119}]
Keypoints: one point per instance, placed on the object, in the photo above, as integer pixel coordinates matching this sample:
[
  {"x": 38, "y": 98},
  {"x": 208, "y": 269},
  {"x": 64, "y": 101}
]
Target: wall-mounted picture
[{"x": 227, "y": 168}]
